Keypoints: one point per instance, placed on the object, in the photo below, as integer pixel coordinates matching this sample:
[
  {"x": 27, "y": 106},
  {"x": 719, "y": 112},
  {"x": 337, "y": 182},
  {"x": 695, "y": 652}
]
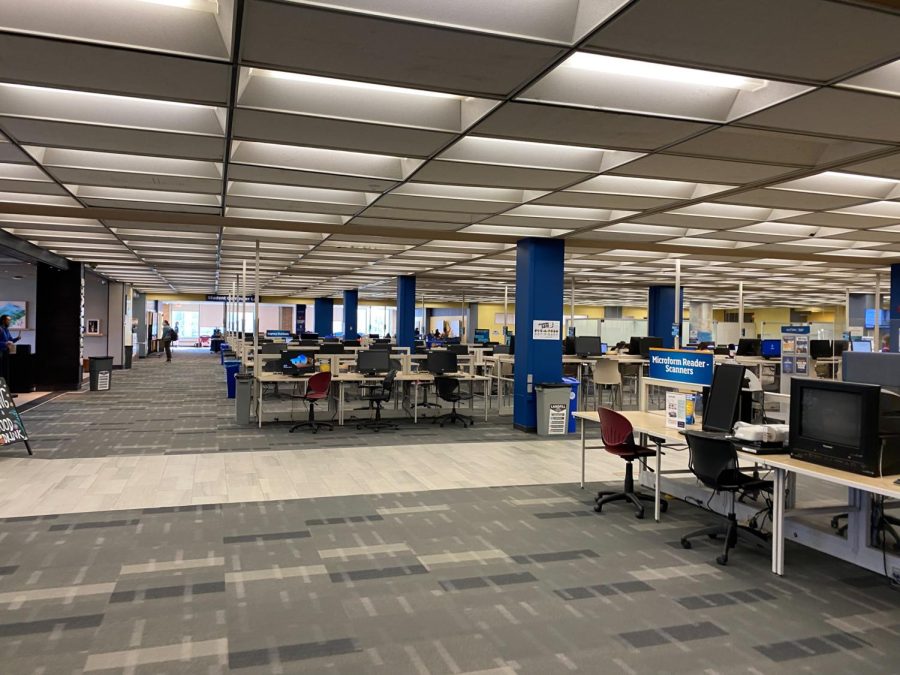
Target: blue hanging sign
[
  {"x": 676, "y": 365},
  {"x": 795, "y": 330}
]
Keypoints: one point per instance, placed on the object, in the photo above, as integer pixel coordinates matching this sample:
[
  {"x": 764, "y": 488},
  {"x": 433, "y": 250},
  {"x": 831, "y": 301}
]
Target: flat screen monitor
[
  {"x": 309, "y": 336},
  {"x": 383, "y": 341},
  {"x": 604, "y": 348},
  {"x": 380, "y": 346},
  {"x": 482, "y": 335},
  {"x": 440, "y": 362},
  {"x": 861, "y": 346},
  {"x": 511, "y": 343},
  {"x": 771, "y": 349},
  {"x": 331, "y": 339},
  {"x": 820, "y": 349},
  {"x": 721, "y": 410},
  {"x": 331, "y": 348},
  {"x": 374, "y": 336},
  {"x": 884, "y": 318},
  {"x": 351, "y": 343},
  {"x": 459, "y": 350},
  {"x": 748, "y": 347},
  {"x": 307, "y": 342},
  {"x": 569, "y": 346},
  {"x": 373, "y": 361},
  {"x": 840, "y": 346},
  {"x": 721, "y": 351},
  {"x": 588, "y": 346},
  {"x": 295, "y": 362},
  {"x": 634, "y": 345},
  {"x": 648, "y": 343},
  {"x": 272, "y": 348},
  {"x": 501, "y": 349}
]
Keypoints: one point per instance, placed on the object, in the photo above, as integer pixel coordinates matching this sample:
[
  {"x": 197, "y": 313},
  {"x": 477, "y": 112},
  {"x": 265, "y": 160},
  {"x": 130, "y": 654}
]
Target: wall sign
[
  {"x": 675, "y": 365},
  {"x": 795, "y": 330},
  {"x": 546, "y": 330},
  {"x": 12, "y": 428},
  {"x": 212, "y": 297}
]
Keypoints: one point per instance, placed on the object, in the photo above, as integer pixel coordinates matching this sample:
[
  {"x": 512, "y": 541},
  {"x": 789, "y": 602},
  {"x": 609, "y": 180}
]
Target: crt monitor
[
  {"x": 588, "y": 346},
  {"x": 820, "y": 349},
  {"x": 722, "y": 404},
  {"x": 861, "y": 345},
  {"x": 373, "y": 361},
  {"x": 331, "y": 348},
  {"x": 482, "y": 335},
  {"x": 459, "y": 350},
  {"x": 295, "y": 362},
  {"x": 440, "y": 362},
  {"x": 748, "y": 347},
  {"x": 648, "y": 343},
  {"x": 771, "y": 349}
]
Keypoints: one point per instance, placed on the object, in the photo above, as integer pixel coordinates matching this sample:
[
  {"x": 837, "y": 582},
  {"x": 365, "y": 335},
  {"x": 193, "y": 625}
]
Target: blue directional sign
[
  {"x": 795, "y": 330},
  {"x": 676, "y": 365}
]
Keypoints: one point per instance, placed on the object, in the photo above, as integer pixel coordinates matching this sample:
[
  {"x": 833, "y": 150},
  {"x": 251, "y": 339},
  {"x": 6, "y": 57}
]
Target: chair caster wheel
[
  {"x": 685, "y": 543},
  {"x": 835, "y": 523},
  {"x": 639, "y": 515},
  {"x": 598, "y": 509},
  {"x": 722, "y": 560},
  {"x": 663, "y": 506}
]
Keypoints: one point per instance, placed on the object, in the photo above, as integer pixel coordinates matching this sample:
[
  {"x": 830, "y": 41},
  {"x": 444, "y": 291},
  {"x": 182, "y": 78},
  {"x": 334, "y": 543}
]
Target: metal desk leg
[
  {"x": 415, "y": 402},
  {"x": 259, "y": 405},
  {"x": 583, "y": 449},
  {"x": 657, "y": 495},
  {"x": 341, "y": 403},
  {"x": 778, "y": 522}
]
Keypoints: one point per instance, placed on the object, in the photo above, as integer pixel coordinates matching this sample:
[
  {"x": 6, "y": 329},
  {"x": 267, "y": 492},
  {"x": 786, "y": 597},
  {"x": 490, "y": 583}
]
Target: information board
[
  {"x": 675, "y": 365},
  {"x": 12, "y": 428},
  {"x": 546, "y": 330}
]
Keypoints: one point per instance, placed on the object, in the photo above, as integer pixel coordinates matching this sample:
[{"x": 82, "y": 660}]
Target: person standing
[
  {"x": 168, "y": 335},
  {"x": 6, "y": 342}
]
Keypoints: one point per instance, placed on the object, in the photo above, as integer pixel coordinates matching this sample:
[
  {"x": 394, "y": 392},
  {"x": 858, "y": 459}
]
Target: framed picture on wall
[
  {"x": 17, "y": 311},
  {"x": 93, "y": 327}
]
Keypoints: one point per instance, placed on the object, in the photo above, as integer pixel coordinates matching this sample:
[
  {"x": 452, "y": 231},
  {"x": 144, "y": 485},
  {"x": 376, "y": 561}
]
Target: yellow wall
[{"x": 634, "y": 312}]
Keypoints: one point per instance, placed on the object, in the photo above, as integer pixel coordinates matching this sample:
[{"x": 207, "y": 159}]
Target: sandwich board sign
[{"x": 12, "y": 428}]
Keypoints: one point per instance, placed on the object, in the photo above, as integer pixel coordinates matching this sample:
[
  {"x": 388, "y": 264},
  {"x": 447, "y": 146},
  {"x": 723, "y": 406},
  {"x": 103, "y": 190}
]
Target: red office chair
[
  {"x": 316, "y": 390},
  {"x": 618, "y": 439}
]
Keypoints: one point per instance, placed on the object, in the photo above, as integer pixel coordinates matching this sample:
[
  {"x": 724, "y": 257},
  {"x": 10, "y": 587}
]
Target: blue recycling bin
[
  {"x": 222, "y": 349},
  {"x": 573, "y": 401},
  {"x": 231, "y": 369}
]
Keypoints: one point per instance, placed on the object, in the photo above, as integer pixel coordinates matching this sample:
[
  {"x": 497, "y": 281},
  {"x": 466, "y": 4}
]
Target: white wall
[
  {"x": 21, "y": 289},
  {"x": 96, "y": 306}
]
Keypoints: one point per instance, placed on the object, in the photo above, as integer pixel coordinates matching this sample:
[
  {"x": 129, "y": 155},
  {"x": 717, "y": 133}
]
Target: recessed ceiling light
[
  {"x": 353, "y": 84},
  {"x": 211, "y": 6}
]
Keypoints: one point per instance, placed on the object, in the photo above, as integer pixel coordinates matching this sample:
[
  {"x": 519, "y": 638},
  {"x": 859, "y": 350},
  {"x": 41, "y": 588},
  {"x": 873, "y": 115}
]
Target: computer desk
[{"x": 855, "y": 548}]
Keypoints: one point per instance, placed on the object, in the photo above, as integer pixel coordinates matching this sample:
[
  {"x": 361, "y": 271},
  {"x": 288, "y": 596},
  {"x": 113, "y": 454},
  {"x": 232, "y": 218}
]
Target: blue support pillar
[
  {"x": 406, "y": 311},
  {"x": 661, "y": 313},
  {"x": 324, "y": 316},
  {"x": 351, "y": 305},
  {"x": 539, "y": 297},
  {"x": 894, "y": 314}
]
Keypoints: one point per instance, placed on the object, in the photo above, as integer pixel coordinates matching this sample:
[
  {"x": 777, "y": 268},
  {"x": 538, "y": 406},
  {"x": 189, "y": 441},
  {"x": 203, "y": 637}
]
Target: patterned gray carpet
[{"x": 493, "y": 580}]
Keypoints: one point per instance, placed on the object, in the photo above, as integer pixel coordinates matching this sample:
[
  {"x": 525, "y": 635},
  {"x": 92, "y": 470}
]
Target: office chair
[
  {"x": 617, "y": 435},
  {"x": 448, "y": 389},
  {"x": 316, "y": 390},
  {"x": 889, "y": 524},
  {"x": 378, "y": 394},
  {"x": 713, "y": 460},
  {"x": 606, "y": 373}
]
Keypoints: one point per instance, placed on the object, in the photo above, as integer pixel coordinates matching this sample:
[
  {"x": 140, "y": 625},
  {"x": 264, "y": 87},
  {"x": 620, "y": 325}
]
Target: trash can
[
  {"x": 215, "y": 344},
  {"x": 573, "y": 402},
  {"x": 243, "y": 394},
  {"x": 231, "y": 370},
  {"x": 553, "y": 408},
  {"x": 100, "y": 368},
  {"x": 222, "y": 349},
  {"x": 129, "y": 351}
]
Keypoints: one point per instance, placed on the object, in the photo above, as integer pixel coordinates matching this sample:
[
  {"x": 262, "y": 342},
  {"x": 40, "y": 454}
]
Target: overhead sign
[
  {"x": 278, "y": 333},
  {"x": 212, "y": 297},
  {"x": 795, "y": 330},
  {"x": 678, "y": 365},
  {"x": 546, "y": 330},
  {"x": 12, "y": 428}
]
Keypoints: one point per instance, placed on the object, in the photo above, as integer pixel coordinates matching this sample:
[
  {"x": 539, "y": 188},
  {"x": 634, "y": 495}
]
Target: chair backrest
[
  {"x": 711, "y": 454},
  {"x": 318, "y": 383},
  {"x": 606, "y": 371},
  {"x": 388, "y": 382},
  {"x": 615, "y": 429},
  {"x": 446, "y": 386}
]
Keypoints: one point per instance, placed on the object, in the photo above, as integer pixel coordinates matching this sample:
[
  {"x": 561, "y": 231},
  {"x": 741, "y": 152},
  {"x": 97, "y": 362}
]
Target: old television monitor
[
  {"x": 588, "y": 346},
  {"x": 381, "y": 346},
  {"x": 295, "y": 362},
  {"x": 722, "y": 405},
  {"x": 770, "y": 349},
  {"x": 482, "y": 335},
  {"x": 351, "y": 343},
  {"x": 840, "y": 346},
  {"x": 441, "y": 362},
  {"x": 845, "y": 425},
  {"x": 634, "y": 345},
  {"x": 748, "y": 347},
  {"x": 861, "y": 345},
  {"x": 373, "y": 361},
  {"x": 459, "y": 350},
  {"x": 309, "y": 336},
  {"x": 648, "y": 343},
  {"x": 820, "y": 349},
  {"x": 331, "y": 348}
]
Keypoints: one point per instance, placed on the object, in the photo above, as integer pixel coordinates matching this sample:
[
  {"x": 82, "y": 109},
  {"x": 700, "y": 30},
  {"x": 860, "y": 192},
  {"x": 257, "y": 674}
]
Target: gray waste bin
[
  {"x": 101, "y": 372},
  {"x": 552, "y": 408},
  {"x": 243, "y": 394},
  {"x": 129, "y": 352}
]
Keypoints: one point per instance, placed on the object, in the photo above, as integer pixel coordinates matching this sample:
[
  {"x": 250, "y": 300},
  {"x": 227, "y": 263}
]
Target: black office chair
[
  {"x": 448, "y": 389},
  {"x": 887, "y": 527},
  {"x": 378, "y": 394},
  {"x": 713, "y": 460}
]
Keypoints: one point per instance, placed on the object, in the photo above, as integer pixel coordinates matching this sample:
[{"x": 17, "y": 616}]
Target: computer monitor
[
  {"x": 373, "y": 361},
  {"x": 331, "y": 339},
  {"x": 604, "y": 348},
  {"x": 704, "y": 346},
  {"x": 383, "y": 341},
  {"x": 748, "y": 347},
  {"x": 374, "y": 336},
  {"x": 440, "y": 362},
  {"x": 383, "y": 346},
  {"x": 840, "y": 346},
  {"x": 770, "y": 349},
  {"x": 331, "y": 348},
  {"x": 351, "y": 343},
  {"x": 309, "y": 336},
  {"x": 820, "y": 349},
  {"x": 501, "y": 349},
  {"x": 861, "y": 345},
  {"x": 722, "y": 403},
  {"x": 648, "y": 343},
  {"x": 295, "y": 362},
  {"x": 459, "y": 350},
  {"x": 722, "y": 351},
  {"x": 272, "y": 348},
  {"x": 482, "y": 335},
  {"x": 511, "y": 343},
  {"x": 588, "y": 346},
  {"x": 308, "y": 342},
  {"x": 634, "y": 345}
]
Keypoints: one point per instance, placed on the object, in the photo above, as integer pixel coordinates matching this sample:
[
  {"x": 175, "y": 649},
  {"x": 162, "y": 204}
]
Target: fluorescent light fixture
[
  {"x": 657, "y": 71},
  {"x": 211, "y": 6},
  {"x": 351, "y": 84}
]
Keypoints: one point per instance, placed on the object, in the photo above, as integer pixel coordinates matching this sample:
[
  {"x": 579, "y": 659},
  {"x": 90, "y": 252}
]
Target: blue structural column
[
  {"x": 351, "y": 305},
  {"x": 406, "y": 311},
  {"x": 894, "y": 314},
  {"x": 661, "y": 313},
  {"x": 539, "y": 298},
  {"x": 324, "y": 316}
]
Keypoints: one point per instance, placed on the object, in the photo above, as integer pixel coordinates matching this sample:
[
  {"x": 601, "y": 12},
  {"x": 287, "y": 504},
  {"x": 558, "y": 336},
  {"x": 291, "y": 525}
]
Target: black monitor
[
  {"x": 272, "y": 348},
  {"x": 721, "y": 351},
  {"x": 748, "y": 347},
  {"x": 648, "y": 343},
  {"x": 634, "y": 345},
  {"x": 331, "y": 348},
  {"x": 568, "y": 345},
  {"x": 861, "y": 345},
  {"x": 294, "y": 362},
  {"x": 704, "y": 346},
  {"x": 374, "y": 336},
  {"x": 820, "y": 349},
  {"x": 308, "y": 342},
  {"x": 511, "y": 343},
  {"x": 501, "y": 349},
  {"x": 722, "y": 403},
  {"x": 373, "y": 361},
  {"x": 440, "y": 362},
  {"x": 841, "y": 346},
  {"x": 770, "y": 349},
  {"x": 331, "y": 339},
  {"x": 381, "y": 346},
  {"x": 351, "y": 343},
  {"x": 588, "y": 346},
  {"x": 383, "y": 341},
  {"x": 482, "y": 335},
  {"x": 459, "y": 350},
  {"x": 309, "y": 336}
]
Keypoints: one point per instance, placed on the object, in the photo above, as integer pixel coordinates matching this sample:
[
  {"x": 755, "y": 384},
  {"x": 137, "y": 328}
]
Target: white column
[
  {"x": 876, "y": 340},
  {"x": 741, "y": 309},
  {"x": 572, "y": 306},
  {"x": 678, "y": 315},
  {"x": 256, "y": 359},
  {"x": 505, "y": 308}
]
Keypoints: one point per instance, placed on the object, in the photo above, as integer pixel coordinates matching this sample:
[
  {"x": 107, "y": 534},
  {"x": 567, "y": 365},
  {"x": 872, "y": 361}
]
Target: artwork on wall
[
  {"x": 93, "y": 327},
  {"x": 18, "y": 313}
]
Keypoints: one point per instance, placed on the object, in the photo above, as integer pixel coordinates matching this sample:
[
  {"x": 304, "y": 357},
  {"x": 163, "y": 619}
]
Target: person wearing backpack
[{"x": 169, "y": 335}]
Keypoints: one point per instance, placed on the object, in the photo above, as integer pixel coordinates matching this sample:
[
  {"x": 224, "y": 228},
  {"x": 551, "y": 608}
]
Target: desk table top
[{"x": 650, "y": 423}]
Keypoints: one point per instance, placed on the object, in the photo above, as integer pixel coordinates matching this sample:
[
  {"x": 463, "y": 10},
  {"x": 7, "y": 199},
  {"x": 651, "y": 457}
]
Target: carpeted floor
[{"x": 503, "y": 581}]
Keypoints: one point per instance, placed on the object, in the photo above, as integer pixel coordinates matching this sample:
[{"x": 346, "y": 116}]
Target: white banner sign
[{"x": 546, "y": 330}]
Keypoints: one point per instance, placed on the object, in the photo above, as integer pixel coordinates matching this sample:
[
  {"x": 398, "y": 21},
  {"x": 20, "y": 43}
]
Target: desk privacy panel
[{"x": 871, "y": 368}]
